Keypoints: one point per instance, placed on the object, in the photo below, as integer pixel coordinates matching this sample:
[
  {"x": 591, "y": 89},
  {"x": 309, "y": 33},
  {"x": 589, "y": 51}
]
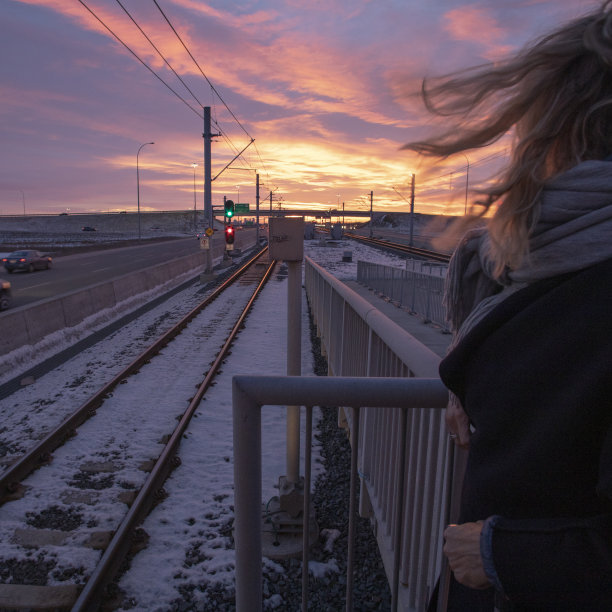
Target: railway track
[
  {"x": 104, "y": 466},
  {"x": 402, "y": 248}
]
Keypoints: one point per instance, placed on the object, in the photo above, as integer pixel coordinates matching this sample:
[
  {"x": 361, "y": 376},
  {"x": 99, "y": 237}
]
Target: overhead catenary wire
[
  {"x": 433, "y": 181},
  {"x": 161, "y": 55},
  {"x": 214, "y": 91},
  {"x": 82, "y": 2},
  {"x": 222, "y": 133},
  {"x": 158, "y": 52},
  {"x": 200, "y": 69}
]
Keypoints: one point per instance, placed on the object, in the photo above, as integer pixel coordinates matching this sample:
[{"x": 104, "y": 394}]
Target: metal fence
[
  {"x": 407, "y": 518},
  {"x": 391, "y": 400},
  {"x": 418, "y": 291},
  {"x": 388, "y": 398}
]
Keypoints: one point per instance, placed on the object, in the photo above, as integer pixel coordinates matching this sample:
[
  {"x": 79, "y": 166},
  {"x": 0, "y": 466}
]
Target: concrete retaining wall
[{"x": 28, "y": 325}]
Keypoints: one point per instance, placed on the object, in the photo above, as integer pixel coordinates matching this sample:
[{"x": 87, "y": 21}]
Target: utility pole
[
  {"x": 467, "y": 182},
  {"x": 257, "y": 207},
  {"x": 412, "y": 209},
  {"x": 208, "y": 211},
  {"x": 371, "y": 213},
  {"x": 195, "y": 214}
]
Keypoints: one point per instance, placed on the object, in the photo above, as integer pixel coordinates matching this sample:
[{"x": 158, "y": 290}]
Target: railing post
[
  {"x": 352, "y": 510},
  {"x": 247, "y": 501},
  {"x": 306, "y": 510},
  {"x": 413, "y": 305},
  {"x": 428, "y": 307},
  {"x": 294, "y": 365},
  {"x": 399, "y": 510}
]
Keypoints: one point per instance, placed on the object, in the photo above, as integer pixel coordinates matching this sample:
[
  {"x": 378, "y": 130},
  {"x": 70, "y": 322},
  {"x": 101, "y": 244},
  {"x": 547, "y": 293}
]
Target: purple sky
[{"x": 322, "y": 86}]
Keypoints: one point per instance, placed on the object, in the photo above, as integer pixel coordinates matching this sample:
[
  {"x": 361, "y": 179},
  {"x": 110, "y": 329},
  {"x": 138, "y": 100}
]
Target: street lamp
[
  {"x": 238, "y": 198},
  {"x": 138, "y": 182},
  {"x": 467, "y": 181},
  {"x": 194, "y": 166}
]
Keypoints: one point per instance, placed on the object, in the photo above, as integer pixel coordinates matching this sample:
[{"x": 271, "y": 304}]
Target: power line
[
  {"x": 460, "y": 169},
  {"x": 159, "y": 53},
  {"x": 220, "y": 129},
  {"x": 222, "y": 133},
  {"x": 200, "y": 69},
  {"x": 140, "y": 60}
]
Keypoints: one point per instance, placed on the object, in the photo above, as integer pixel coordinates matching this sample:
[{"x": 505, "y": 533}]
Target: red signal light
[{"x": 229, "y": 235}]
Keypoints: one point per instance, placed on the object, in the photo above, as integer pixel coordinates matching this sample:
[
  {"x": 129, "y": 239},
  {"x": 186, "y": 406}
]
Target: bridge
[{"x": 296, "y": 212}]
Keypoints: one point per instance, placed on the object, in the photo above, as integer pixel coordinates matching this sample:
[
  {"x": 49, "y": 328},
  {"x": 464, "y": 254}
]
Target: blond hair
[{"x": 556, "y": 97}]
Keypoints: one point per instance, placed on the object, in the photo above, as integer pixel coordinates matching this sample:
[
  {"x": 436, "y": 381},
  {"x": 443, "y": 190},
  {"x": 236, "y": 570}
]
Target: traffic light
[
  {"x": 229, "y": 208},
  {"x": 229, "y": 234}
]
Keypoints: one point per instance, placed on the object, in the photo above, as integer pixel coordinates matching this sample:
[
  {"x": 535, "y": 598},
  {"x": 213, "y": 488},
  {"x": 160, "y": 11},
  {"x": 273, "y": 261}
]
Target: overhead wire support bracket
[{"x": 233, "y": 160}]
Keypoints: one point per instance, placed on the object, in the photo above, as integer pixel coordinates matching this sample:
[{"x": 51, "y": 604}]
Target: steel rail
[
  {"x": 118, "y": 548},
  {"x": 40, "y": 454},
  {"x": 403, "y": 248}
]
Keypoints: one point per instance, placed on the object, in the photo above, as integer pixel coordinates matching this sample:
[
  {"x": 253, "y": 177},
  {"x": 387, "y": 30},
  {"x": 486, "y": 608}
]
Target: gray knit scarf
[{"x": 573, "y": 232}]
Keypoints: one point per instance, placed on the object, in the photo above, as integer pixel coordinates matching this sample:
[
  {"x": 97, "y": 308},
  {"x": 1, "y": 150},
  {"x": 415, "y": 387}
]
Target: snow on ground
[{"x": 189, "y": 533}]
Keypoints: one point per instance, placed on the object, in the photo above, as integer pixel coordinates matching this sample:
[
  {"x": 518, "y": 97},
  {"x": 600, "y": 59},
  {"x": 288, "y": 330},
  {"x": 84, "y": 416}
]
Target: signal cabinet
[{"x": 286, "y": 238}]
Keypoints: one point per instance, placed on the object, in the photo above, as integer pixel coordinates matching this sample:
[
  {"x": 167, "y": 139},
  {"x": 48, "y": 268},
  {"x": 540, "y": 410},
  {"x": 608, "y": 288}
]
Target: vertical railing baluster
[
  {"x": 306, "y": 511},
  {"x": 352, "y": 511}
]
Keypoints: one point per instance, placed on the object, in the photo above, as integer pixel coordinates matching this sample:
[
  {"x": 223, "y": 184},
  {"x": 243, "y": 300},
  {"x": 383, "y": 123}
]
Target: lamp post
[
  {"x": 194, "y": 166},
  {"x": 467, "y": 181},
  {"x": 138, "y": 182},
  {"x": 238, "y": 196}
]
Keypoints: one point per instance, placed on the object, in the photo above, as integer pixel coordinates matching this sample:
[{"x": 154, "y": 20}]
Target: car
[
  {"x": 88, "y": 228},
  {"x": 5, "y": 294},
  {"x": 26, "y": 260},
  {"x": 203, "y": 234}
]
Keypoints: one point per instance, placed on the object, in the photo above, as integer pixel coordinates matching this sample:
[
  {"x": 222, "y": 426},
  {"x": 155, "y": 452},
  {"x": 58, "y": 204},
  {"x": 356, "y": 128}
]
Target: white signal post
[{"x": 287, "y": 244}]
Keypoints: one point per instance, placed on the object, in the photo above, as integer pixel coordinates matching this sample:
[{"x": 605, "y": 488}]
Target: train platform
[{"x": 431, "y": 335}]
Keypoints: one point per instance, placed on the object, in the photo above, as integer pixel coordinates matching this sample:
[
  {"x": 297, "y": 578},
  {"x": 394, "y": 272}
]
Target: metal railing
[
  {"x": 356, "y": 338},
  {"x": 359, "y": 340},
  {"x": 388, "y": 399},
  {"x": 419, "y": 292}
]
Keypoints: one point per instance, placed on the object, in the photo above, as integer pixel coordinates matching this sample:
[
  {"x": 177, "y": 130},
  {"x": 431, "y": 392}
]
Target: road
[{"x": 74, "y": 272}]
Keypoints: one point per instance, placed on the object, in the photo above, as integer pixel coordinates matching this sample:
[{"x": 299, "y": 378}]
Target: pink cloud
[{"x": 473, "y": 24}]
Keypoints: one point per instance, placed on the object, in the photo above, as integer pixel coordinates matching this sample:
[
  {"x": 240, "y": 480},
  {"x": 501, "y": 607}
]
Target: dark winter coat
[{"x": 535, "y": 378}]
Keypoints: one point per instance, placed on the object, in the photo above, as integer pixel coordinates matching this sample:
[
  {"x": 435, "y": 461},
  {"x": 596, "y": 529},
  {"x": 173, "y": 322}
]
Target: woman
[{"x": 530, "y": 302}]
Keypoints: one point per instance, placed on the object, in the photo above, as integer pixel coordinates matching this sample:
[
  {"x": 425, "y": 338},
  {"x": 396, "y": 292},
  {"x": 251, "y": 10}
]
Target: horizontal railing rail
[{"x": 396, "y": 398}]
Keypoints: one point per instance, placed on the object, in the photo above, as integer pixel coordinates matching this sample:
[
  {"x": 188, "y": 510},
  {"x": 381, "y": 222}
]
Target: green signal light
[{"x": 229, "y": 208}]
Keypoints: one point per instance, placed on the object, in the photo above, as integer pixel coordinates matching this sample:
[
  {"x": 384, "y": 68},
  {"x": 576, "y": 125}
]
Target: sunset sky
[{"x": 324, "y": 87}]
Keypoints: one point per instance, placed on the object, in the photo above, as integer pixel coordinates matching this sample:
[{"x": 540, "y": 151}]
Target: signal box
[{"x": 286, "y": 238}]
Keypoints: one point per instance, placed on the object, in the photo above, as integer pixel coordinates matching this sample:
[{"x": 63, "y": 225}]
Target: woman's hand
[
  {"x": 458, "y": 423},
  {"x": 462, "y": 548}
]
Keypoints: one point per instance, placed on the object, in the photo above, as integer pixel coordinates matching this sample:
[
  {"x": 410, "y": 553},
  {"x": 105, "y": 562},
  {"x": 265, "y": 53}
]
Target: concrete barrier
[{"x": 28, "y": 325}]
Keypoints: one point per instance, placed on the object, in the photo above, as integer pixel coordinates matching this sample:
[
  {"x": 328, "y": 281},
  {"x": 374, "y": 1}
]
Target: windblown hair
[{"x": 555, "y": 96}]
